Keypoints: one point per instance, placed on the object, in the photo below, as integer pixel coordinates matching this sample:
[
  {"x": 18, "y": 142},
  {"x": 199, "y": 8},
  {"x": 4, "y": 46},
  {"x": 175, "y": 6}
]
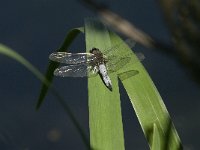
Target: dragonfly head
[{"x": 94, "y": 50}]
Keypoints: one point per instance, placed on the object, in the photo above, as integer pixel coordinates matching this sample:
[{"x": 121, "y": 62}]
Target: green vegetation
[{"x": 105, "y": 119}]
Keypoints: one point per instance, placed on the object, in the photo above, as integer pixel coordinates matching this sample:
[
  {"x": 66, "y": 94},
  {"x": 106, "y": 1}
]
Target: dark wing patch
[{"x": 125, "y": 75}]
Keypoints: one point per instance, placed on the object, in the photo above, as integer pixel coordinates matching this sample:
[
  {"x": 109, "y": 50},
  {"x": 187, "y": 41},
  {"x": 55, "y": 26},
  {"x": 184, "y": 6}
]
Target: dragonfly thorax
[{"x": 99, "y": 56}]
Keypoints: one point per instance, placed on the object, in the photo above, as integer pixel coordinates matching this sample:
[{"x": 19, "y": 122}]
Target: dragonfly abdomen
[{"x": 104, "y": 75}]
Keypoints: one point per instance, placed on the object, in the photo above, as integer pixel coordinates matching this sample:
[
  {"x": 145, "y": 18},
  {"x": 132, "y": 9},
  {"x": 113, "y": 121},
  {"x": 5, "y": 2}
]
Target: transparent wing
[
  {"x": 113, "y": 50},
  {"x": 76, "y": 70},
  {"x": 72, "y": 58},
  {"x": 115, "y": 63}
]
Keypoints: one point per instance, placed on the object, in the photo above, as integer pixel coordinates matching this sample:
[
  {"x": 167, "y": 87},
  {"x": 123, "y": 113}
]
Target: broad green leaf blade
[
  {"x": 105, "y": 120},
  {"x": 156, "y": 139},
  {"x": 53, "y": 65},
  {"x": 12, "y": 54},
  {"x": 147, "y": 102}
]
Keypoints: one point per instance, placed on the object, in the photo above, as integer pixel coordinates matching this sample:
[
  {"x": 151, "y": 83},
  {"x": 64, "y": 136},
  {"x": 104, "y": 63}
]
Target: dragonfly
[{"x": 93, "y": 63}]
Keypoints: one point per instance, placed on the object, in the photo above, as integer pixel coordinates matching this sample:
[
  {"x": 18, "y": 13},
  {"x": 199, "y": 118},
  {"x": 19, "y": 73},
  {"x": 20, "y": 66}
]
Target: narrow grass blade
[
  {"x": 12, "y": 54},
  {"x": 147, "y": 102},
  {"x": 105, "y": 120},
  {"x": 4, "y": 50},
  {"x": 53, "y": 65}
]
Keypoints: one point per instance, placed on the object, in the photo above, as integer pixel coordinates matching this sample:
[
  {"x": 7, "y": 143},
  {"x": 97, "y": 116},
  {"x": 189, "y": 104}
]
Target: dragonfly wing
[
  {"x": 140, "y": 57},
  {"x": 131, "y": 43},
  {"x": 118, "y": 47},
  {"x": 115, "y": 63},
  {"x": 71, "y": 58},
  {"x": 76, "y": 70}
]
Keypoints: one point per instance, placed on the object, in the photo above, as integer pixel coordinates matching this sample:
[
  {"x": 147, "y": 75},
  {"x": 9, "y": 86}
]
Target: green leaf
[
  {"x": 53, "y": 65},
  {"x": 105, "y": 120},
  {"x": 106, "y": 129},
  {"x": 156, "y": 139},
  {"x": 147, "y": 102}
]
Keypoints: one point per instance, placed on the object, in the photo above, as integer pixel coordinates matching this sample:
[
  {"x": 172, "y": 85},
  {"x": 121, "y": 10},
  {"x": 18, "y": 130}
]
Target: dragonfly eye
[{"x": 93, "y": 49}]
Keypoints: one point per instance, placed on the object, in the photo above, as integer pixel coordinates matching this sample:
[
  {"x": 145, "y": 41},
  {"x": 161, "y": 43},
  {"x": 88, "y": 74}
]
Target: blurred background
[{"x": 37, "y": 28}]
